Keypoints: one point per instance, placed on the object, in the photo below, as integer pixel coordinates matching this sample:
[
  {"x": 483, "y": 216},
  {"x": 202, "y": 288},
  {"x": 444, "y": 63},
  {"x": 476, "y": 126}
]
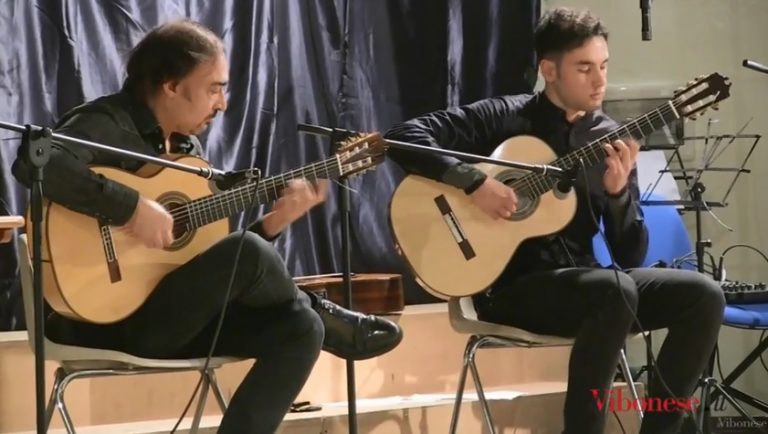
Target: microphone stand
[
  {"x": 542, "y": 169},
  {"x": 337, "y": 135},
  {"x": 35, "y": 148},
  {"x": 345, "y": 212},
  {"x": 751, "y": 64}
]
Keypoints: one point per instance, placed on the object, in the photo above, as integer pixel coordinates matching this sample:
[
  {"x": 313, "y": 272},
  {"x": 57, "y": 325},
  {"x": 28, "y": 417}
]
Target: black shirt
[
  {"x": 118, "y": 120},
  {"x": 480, "y": 127}
]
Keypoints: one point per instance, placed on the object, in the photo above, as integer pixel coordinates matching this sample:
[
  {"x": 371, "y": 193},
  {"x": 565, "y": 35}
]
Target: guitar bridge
[
  {"x": 110, "y": 254},
  {"x": 449, "y": 217}
]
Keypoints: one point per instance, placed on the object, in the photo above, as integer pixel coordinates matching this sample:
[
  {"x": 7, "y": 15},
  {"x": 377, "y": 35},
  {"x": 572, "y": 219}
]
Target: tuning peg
[{"x": 715, "y": 107}]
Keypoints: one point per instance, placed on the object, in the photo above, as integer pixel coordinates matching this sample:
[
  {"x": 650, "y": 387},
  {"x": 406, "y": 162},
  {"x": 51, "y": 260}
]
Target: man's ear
[
  {"x": 170, "y": 88},
  {"x": 548, "y": 70}
]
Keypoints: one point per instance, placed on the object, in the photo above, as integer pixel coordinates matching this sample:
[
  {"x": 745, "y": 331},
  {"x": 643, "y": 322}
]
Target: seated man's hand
[{"x": 297, "y": 198}]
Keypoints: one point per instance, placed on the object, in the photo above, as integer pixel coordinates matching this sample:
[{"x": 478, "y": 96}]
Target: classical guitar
[
  {"x": 374, "y": 293},
  {"x": 93, "y": 272},
  {"x": 454, "y": 249}
]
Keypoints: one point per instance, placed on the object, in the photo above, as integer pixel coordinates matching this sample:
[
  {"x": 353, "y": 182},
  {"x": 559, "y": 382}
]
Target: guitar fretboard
[
  {"x": 208, "y": 209},
  {"x": 534, "y": 184}
]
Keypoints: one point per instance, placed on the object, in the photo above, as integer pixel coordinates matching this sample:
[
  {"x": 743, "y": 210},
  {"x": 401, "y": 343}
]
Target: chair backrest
[
  {"x": 668, "y": 238},
  {"x": 27, "y": 287}
]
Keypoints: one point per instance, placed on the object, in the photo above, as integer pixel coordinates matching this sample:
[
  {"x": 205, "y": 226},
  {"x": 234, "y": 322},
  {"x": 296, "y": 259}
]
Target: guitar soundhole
[
  {"x": 173, "y": 202},
  {"x": 526, "y": 201}
]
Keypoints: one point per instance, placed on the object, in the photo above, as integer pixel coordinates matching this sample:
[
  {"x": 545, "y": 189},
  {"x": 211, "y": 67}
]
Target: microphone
[
  {"x": 567, "y": 180},
  {"x": 227, "y": 180},
  {"x": 755, "y": 66},
  {"x": 645, "y": 12}
]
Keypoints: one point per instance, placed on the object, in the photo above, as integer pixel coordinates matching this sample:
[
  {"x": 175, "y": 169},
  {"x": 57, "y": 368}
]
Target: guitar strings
[
  {"x": 202, "y": 208},
  {"x": 271, "y": 182},
  {"x": 212, "y": 201},
  {"x": 540, "y": 183}
]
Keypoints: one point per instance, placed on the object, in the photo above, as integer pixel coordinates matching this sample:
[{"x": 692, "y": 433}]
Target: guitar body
[
  {"x": 372, "y": 293},
  {"x": 454, "y": 248},
  {"x": 101, "y": 274}
]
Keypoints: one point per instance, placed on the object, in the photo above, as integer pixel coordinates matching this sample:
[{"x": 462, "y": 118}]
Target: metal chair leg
[
  {"x": 468, "y": 351},
  {"x": 51, "y": 406},
  {"x": 480, "y": 392},
  {"x": 200, "y": 403},
  {"x": 58, "y": 397},
  {"x": 624, "y": 364},
  {"x": 217, "y": 392}
]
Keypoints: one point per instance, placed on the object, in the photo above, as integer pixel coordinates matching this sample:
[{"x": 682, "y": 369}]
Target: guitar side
[
  {"x": 79, "y": 281},
  {"x": 455, "y": 249}
]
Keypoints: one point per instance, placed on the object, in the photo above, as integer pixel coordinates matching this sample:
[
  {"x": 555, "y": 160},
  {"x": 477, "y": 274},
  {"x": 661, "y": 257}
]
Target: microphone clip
[
  {"x": 567, "y": 179},
  {"x": 236, "y": 178}
]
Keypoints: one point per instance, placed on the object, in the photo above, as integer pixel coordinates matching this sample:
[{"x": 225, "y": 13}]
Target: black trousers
[
  {"x": 588, "y": 305},
  {"x": 267, "y": 318}
]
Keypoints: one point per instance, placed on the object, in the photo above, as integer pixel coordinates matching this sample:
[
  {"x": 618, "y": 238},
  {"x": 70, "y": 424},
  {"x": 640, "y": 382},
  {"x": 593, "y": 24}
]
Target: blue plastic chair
[
  {"x": 668, "y": 239},
  {"x": 751, "y": 317},
  {"x": 669, "y": 242}
]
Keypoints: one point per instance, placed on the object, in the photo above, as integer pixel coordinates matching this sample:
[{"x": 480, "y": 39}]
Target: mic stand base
[
  {"x": 708, "y": 381},
  {"x": 704, "y": 414}
]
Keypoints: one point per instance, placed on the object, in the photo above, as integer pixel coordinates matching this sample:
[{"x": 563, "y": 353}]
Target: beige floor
[{"x": 427, "y": 362}]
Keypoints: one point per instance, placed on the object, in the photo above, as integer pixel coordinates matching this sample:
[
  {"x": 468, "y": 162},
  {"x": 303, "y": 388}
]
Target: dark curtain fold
[{"x": 357, "y": 64}]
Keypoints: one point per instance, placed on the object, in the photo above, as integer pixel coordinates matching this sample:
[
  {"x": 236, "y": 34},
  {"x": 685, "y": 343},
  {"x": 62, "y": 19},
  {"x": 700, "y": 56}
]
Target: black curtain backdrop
[{"x": 356, "y": 64}]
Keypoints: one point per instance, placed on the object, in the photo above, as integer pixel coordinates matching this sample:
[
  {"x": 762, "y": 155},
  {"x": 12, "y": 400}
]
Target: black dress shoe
[{"x": 356, "y": 336}]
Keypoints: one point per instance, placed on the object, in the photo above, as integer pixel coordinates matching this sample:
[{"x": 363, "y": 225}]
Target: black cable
[
  {"x": 746, "y": 246},
  {"x": 621, "y": 425},
  {"x": 721, "y": 267},
  {"x": 690, "y": 259},
  {"x": 615, "y": 267},
  {"x": 204, "y": 371},
  {"x": 711, "y": 262},
  {"x": 762, "y": 362}
]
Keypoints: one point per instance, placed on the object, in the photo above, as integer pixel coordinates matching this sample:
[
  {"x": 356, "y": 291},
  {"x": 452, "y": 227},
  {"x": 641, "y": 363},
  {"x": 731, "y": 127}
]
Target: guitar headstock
[
  {"x": 361, "y": 153},
  {"x": 700, "y": 94}
]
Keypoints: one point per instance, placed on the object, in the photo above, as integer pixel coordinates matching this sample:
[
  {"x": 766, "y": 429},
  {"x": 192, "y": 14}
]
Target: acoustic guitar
[
  {"x": 456, "y": 250},
  {"x": 372, "y": 293},
  {"x": 95, "y": 273}
]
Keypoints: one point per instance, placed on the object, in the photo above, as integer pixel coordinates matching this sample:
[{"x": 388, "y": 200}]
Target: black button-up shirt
[
  {"x": 118, "y": 120},
  {"x": 480, "y": 127}
]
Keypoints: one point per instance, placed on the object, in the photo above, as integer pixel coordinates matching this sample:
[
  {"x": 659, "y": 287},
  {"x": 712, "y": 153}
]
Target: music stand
[{"x": 693, "y": 200}]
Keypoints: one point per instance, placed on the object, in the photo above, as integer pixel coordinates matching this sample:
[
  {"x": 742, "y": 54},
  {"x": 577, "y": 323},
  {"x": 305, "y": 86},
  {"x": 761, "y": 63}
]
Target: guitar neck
[
  {"x": 637, "y": 129},
  {"x": 208, "y": 209},
  {"x": 595, "y": 152}
]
